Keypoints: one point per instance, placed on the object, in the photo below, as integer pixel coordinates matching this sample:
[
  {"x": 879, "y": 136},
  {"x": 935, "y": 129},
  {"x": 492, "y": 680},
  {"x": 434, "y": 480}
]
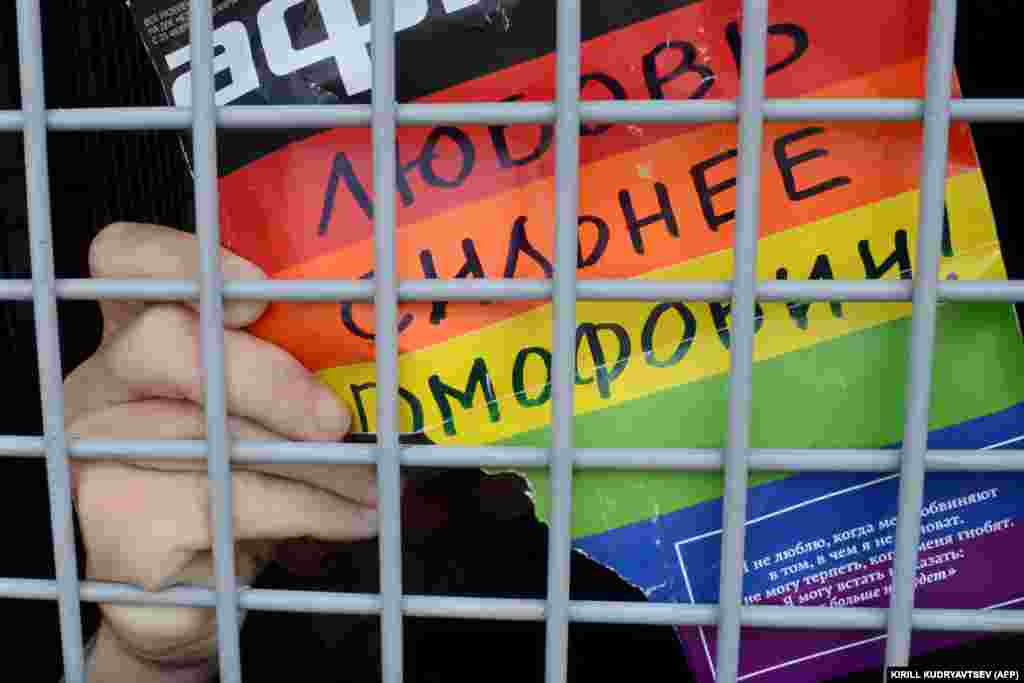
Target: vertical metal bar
[
  {"x": 211, "y": 309},
  {"x": 748, "y": 211},
  {"x": 942, "y": 32},
  {"x": 386, "y": 308},
  {"x": 567, "y": 127},
  {"x": 44, "y": 300}
]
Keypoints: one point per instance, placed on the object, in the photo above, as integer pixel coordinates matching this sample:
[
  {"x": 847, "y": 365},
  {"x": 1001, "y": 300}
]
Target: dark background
[{"x": 94, "y": 59}]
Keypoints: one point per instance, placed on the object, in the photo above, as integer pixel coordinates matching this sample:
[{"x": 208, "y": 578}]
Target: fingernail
[
  {"x": 331, "y": 416},
  {"x": 237, "y": 268}
]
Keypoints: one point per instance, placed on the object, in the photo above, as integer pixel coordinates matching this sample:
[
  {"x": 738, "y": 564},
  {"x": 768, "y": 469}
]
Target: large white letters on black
[
  {"x": 236, "y": 58},
  {"x": 346, "y": 43}
]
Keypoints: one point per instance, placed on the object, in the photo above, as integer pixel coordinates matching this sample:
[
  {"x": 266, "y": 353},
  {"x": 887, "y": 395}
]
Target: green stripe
[{"x": 844, "y": 393}]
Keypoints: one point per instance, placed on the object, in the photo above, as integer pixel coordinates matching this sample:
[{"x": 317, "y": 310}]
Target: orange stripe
[
  {"x": 260, "y": 201},
  {"x": 879, "y": 158}
]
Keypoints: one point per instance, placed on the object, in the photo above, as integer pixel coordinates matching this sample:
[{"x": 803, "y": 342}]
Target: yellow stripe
[{"x": 976, "y": 257}]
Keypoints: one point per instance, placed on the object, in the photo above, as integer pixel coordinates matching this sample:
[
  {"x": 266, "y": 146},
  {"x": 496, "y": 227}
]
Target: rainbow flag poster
[{"x": 839, "y": 200}]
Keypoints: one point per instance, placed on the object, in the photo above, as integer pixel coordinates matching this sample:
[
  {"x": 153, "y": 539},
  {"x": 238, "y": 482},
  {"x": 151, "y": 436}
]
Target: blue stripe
[{"x": 644, "y": 552}]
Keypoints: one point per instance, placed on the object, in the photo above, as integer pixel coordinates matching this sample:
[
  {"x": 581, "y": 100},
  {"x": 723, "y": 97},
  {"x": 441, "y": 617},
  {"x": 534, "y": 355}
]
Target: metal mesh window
[{"x": 751, "y": 109}]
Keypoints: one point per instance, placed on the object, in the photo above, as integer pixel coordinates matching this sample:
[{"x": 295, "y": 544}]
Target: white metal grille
[{"x": 751, "y": 109}]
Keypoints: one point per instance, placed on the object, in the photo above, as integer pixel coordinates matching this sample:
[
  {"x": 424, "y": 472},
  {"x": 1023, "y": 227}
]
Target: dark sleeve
[
  {"x": 476, "y": 553},
  {"x": 509, "y": 559}
]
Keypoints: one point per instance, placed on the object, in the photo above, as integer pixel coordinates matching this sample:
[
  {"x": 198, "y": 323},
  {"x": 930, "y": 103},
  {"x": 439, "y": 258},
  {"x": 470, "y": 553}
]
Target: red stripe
[{"x": 272, "y": 208}]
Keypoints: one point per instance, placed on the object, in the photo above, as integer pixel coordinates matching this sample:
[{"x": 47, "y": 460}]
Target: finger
[
  {"x": 158, "y": 356},
  {"x": 179, "y": 635},
  {"x": 141, "y": 250},
  {"x": 162, "y": 419},
  {"x": 91, "y": 386},
  {"x": 145, "y": 526},
  {"x": 163, "y": 635},
  {"x": 116, "y": 314},
  {"x": 250, "y": 558}
]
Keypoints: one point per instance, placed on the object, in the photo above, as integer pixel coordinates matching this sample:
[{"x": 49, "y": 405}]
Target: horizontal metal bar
[
  {"x": 506, "y": 609},
  {"x": 28, "y": 589},
  {"x": 807, "y": 109},
  {"x": 22, "y": 446},
  {"x": 480, "y": 290},
  {"x": 981, "y": 290},
  {"x": 658, "y": 111},
  {"x": 852, "y": 109},
  {"x": 510, "y": 290},
  {"x": 647, "y": 290},
  {"x": 446, "y": 607},
  {"x": 474, "y": 456},
  {"x": 482, "y": 113},
  {"x": 511, "y": 113},
  {"x": 96, "y": 289},
  {"x": 249, "y": 452},
  {"x": 120, "y": 119},
  {"x": 798, "y": 460},
  {"x": 283, "y": 290},
  {"x": 296, "y": 116},
  {"x": 813, "y": 290},
  {"x": 779, "y": 617},
  {"x": 985, "y": 110},
  {"x": 661, "y": 614},
  {"x": 12, "y": 120},
  {"x": 774, "y": 459},
  {"x": 309, "y": 601}
]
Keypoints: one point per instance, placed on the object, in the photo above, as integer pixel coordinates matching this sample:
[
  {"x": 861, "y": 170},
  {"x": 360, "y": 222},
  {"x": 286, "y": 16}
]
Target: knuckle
[
  {"x": 96, "y": 498},
  {"x": 166, "y": 328},
  {"x": 238, "y": 267},
  {"x": 80, "y": 393},
  {"x": 105, "y": 247},
  {"x": 161, "y": 320},
  {"x": 131, "y": 529}
]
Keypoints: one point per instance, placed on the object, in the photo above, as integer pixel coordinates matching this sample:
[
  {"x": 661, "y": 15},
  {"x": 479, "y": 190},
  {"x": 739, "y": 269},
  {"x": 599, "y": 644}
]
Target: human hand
[{"x": 147, "y": 522}]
